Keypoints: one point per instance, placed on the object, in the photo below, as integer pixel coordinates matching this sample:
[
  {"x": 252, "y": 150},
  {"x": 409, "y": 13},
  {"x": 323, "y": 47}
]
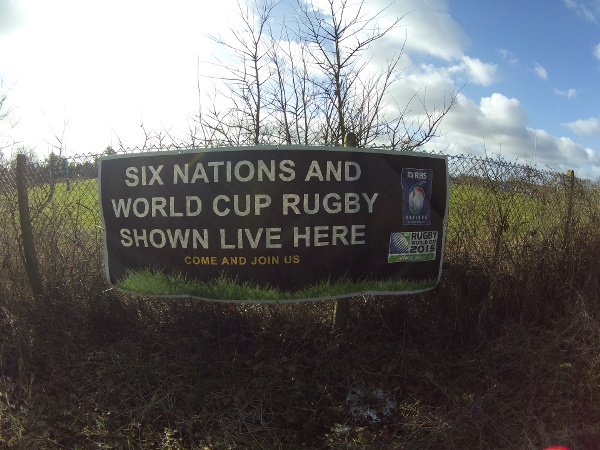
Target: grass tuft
[{"x": 147, "y": 282}]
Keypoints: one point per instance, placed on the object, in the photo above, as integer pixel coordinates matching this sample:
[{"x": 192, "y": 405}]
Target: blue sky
[
  {"x": 90, "y": 73},
  {"x": 545, "y": 56}
]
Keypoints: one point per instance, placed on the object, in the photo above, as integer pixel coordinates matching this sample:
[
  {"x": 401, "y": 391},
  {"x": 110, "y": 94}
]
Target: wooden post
[
  {"x": 570, "y": 188},
  {"x": 31, "y": 261},
  {"x": 342, "y": 305}
]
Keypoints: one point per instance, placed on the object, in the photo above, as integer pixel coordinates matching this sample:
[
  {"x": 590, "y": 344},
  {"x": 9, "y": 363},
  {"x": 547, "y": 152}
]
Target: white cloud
[
  {"x": 433, "y": 86},
  {"x": 480, "y": 73},
  {"x": 428, "y": 27},
  {"x": 494, "y": 116},
  {"x": 504, "y": 112},
  {"x": 12, "y": 16},
  {"x": 569, "y": 93},
  {"x": 563, "y": 153},
  {"x": 585, "y": 127},
  {"x": 508, "y": 56},
  {"x": 587, "y": 9},
  {"x": 498, "y": 124},
  {"x": 540, "y": 71},
  {"x": 444, "y": 79},
  {"x": 597, "y": 51}
]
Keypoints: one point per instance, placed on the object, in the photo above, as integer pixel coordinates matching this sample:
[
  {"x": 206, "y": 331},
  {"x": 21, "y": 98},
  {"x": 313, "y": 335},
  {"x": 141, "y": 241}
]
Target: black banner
[{"x": 282, "y": 224}]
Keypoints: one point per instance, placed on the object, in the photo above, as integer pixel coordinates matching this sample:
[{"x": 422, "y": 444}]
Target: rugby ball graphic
[
  {"x": 416, "y": 198},
  {"x": 398, "y": 244}
]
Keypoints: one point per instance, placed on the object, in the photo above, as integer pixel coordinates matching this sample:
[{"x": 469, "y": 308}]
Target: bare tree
[
  {"x": 291, "y": 97},
  {"x": 5, "y": 111},
  {"x": 338, "y": 39},
  {"x": 3, "y": 95},
  {"x": 409, "y": 131},
  {"x": 245, "y": 78},
  {"x": 313, "y": 82}
]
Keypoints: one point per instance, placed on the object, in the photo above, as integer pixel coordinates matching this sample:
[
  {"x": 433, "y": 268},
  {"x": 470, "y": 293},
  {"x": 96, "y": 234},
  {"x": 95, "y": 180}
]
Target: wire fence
[{"x": 498, "y": 211}]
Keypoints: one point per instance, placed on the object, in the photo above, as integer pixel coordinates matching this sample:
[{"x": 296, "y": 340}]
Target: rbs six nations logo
[{"x": 416, "y": 196}]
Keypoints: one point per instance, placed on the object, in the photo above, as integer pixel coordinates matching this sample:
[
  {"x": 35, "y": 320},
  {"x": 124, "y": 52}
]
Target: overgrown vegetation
[{"x": 503, "y": 354}]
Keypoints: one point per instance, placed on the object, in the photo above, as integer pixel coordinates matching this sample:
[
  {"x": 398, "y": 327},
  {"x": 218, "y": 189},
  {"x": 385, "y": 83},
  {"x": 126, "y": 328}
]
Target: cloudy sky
[{"x": 91, "y": 72}]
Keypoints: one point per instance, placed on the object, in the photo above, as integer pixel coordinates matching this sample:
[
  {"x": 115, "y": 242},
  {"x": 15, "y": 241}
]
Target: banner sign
[{"x": 274, "y": 223}]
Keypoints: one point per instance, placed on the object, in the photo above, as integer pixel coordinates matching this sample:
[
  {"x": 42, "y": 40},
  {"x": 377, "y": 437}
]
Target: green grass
[
  {"x": 77, "y": 199},
  {"x": 226, "y": 289},
  {"x": 476, "y": 210},
  {"x": 478, "y": 213}
]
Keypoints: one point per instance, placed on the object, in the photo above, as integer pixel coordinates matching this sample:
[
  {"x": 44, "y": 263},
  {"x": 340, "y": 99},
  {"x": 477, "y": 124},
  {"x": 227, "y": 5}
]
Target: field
[{"x": 503, "y": 354}]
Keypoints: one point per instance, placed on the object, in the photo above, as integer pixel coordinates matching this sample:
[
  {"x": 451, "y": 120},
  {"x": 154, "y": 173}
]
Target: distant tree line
[{"x": 54, "y": 168}]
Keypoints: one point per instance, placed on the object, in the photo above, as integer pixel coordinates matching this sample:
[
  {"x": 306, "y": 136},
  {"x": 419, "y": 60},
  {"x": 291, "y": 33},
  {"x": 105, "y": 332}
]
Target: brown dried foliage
[{"x": 504, "y": 354}]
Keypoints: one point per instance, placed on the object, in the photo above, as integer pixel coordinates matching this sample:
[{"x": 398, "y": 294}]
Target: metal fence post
[{"x": 31, "y": 261}]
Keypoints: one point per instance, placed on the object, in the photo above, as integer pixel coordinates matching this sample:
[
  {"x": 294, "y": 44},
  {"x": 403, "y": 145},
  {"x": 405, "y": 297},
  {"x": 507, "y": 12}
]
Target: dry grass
[
  {"x": 503, "y": 354},
  {"x": 117, "y": 372}
]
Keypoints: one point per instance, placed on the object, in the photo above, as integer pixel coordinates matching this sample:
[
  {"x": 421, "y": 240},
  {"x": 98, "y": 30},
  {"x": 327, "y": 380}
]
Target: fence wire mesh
[{"x": 498, "y": 211}]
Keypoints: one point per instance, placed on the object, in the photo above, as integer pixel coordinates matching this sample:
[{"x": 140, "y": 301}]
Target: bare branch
[{"x": 311, "y": 82}]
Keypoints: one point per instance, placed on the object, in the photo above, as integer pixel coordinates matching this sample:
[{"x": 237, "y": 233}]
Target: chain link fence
[
  {"x": 499, "y": 211},
  {"x": 65, "y": 221}
]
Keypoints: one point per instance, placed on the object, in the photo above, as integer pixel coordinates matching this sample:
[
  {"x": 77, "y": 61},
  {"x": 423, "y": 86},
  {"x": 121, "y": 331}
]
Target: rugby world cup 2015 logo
[
  {"x": 416, "y": 196},
  {"x": 412, "y": 246}
]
